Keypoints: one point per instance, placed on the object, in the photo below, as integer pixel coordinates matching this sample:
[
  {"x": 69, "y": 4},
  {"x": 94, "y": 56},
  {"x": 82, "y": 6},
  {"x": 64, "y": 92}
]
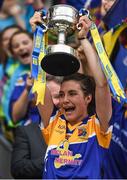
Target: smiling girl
[{"x": 22, "y": 103}]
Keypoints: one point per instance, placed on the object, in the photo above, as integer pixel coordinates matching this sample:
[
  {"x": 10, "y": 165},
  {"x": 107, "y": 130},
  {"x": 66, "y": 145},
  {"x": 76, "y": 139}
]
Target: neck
[{"x": 78, "y": 120}]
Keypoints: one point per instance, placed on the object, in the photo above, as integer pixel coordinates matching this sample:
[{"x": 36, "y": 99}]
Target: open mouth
[
  {"x": 69, "y": 109},
  {"x": 25, "y": 55}
]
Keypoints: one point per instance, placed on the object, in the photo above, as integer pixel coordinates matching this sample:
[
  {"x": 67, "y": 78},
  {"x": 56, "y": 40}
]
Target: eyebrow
[{"x": 70, "y": 91}]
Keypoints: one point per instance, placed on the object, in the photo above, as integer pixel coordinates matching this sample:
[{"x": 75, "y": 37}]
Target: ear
[{"x": 88, "y": 99}]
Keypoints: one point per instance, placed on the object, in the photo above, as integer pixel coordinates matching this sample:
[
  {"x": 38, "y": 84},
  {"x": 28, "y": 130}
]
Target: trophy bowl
[
  {"x": 60, "y": 16},
  {"x": 60, "y": 59}
]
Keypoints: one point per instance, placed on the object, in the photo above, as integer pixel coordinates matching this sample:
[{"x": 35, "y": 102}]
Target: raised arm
[
  {"x": 46, "y": 109},
  {"x": 22, "y": 102},
  {"x": 38, "y": 4},
  {"x": 102, "y": 93}
]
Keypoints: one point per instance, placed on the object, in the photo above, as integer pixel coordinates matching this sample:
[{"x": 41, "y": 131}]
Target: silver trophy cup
[{"x": 60, "y": 59}]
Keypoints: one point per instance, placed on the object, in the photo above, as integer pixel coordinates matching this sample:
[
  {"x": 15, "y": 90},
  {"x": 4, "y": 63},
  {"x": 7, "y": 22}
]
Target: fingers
[
  {"x": 29, "y": 82},
  {"x": 85, "y": 22},
  {"x": 29, "y": 77},
  {"x": 83, "y": 27},
  {"x": 36, "y": 19}
]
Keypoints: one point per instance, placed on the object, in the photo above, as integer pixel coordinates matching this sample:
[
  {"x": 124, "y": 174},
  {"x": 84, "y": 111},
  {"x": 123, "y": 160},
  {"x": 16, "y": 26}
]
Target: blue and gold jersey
[
  {"x": 115, "y": 163},
  {"x": 74, "y": 151},
  {"x": 32, "y": 114}
]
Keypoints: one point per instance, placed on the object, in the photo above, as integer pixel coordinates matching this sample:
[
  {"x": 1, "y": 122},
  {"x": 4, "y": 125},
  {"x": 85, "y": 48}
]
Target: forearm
[
  {"x": 20, "y": 107},
  {"x": 93, "y": 63},
  {"x": 38, "y": 4},
  {"x": 46, "y": 109},
  {"x": 102, "y": 93},
  {"x": 20, "y": 21},
  {"x": 16, "y": 11}
]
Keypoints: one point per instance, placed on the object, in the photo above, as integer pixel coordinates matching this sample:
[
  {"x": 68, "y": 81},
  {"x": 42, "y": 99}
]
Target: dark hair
[
  {"x": 17, "y": 33},
  {"x": 87, "y": 85},
  {"x": 3, "y": 55},
  {"x": 11, "y": 27}
]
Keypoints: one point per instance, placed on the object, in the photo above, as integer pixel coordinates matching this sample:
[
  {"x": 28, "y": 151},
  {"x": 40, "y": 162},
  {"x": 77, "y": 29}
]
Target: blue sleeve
[
  {"x": 16, "y": 93},
  {"x": 117, "y": 111},
  {"x": 19, "y": 88}
]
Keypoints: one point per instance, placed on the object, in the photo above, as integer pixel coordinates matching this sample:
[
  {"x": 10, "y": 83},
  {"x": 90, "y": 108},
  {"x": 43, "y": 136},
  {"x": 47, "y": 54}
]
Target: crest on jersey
[{"x": 82, "y": 132}]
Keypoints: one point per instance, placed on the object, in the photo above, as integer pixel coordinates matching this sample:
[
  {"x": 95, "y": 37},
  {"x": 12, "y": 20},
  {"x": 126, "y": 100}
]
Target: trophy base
[
  {"x": 60, "y": 64},
  {"x": 60, "y": 61}
]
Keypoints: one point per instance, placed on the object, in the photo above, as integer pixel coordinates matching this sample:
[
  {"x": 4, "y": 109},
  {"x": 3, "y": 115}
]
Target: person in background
[
  {"x": 14, "y": 12},
  {"x": 115, "y": 161},
  {"x": 27, "y": 161},
  {"x": 116, "y": 156},
  {"x": 22, "y": 99},
  {"x": 116, "y": 43},
  {"x": 105, "y": 6},
  {"x": 24, "y": 58},
  {"x": 10, "y": 14},
  {"x": 8, "y": 65},
  {"x": 6, "y": 59},
  {"x": 77, "y": 136},
  {"x": 119, "y": 57},
  {"x": 53, "y": 83},
  {"x": 29, "y": 147},
  {"x": 94, "y": 6}
]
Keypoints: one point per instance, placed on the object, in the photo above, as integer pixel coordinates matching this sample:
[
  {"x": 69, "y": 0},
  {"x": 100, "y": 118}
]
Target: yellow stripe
[
  {"x": 108, "y": 69},
  {"x": 111, "y": 37},
  {"x": 56, "y": 131}
]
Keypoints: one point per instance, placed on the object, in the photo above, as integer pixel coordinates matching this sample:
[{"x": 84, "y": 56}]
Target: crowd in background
[{"x": 18, "y": 108}]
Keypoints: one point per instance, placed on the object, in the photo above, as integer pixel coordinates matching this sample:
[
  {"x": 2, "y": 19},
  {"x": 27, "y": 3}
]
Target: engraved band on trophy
[{"x": 60, "y": 59}]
